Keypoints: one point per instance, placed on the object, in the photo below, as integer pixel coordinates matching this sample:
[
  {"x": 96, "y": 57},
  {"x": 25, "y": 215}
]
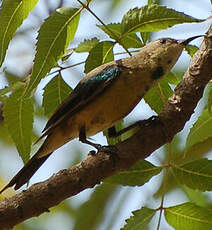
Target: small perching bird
[{"x": 104, "y": 96}]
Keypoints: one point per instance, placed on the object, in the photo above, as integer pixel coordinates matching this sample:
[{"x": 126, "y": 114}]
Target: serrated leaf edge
[
  {"x": 47, "y": 55},
  {"x": 4, "y": 35},
  {"x": 143, "y": 220}
]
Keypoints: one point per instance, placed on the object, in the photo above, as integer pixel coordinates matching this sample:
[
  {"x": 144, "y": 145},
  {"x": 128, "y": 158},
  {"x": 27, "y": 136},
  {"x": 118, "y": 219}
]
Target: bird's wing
[{"x": 85, "y": 91}]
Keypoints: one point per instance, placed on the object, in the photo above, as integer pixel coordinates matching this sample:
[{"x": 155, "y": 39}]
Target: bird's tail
[{"x": 29, "y": 169}]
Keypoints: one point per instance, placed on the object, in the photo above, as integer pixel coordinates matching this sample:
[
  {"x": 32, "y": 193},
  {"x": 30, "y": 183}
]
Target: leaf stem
[
  {"x": 66, "y": 67},
  {"x": 86, "y": 6},
  {"x": 61, "y": 68},
  {"x": 161, "y": 211},
  {"x": 164, "y": 184}
]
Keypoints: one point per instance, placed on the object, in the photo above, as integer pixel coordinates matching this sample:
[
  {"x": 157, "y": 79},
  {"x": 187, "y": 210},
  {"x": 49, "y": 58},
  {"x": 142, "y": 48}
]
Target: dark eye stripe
[{"x": 163, "y": 41}]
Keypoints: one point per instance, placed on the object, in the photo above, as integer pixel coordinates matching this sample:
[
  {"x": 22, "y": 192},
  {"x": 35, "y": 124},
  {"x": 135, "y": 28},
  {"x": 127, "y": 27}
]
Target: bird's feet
[
  {"x": 100, "y": 148},
  {"x": 111, "y": 149}
]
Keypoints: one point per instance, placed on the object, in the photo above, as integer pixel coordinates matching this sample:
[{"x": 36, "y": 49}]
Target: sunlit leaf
[
  {"x": 12, "y": 14},
  {"x": 189, "y": 216},
  {"x": 153, "y": 18},
  {"x": 99, "y": 54},
  {"x": 158, "y": 95},
  {"x": 140, "y": 219},
  {"x": 191, "y": 49},
  {"x": 195, "y": 174},
  {"x": 201, "y": 130},
  {"x": 87, "y": 45},
  {"x": 112, "y": 141},
  {"x": 67, "y": 55},
  {"x": 172, "y": 78},
  {"x": 54, "y": 37}
]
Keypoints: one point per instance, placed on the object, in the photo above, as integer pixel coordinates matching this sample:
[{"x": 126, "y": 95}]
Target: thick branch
[{"x": 42, "y": 196}]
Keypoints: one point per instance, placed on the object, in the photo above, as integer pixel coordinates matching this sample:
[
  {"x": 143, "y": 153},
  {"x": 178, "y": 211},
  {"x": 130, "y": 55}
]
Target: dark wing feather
[{"x": 84, "y": 92}]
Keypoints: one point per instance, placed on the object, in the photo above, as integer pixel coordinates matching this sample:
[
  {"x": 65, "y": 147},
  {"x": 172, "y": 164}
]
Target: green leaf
[
  {"x": 100, "y": 54},
  {"x": 12, "y": 14},
  {"x": 12, "y": 78},
  {"x": 18, "y": 114},
  {"x": 54, "y": 37},
  {"x": 118, "y": 127},
  {"x": 140, "y": 219},
  {"x": 137, "y": 175},
  {"x": 98, "y": 202},
  {"x": 145, "y": 37},
  {"x": 178, "y": 77},
  {"x": 201, "y": 130},
  {"x": 189, "y": 216},
  {"x": 158, "y": 95},
  {"x": 129, "y": 41},
  {"x": 198, "y": 150},
  {"x": 153, "y": 18},
  {"x": 195, "y": 196},
  {"x": 15, "y": 86},
  {"x": 14, "y": 83},
  {"x": 112, "y": 141},
  {"x": 172, "y": 78},
  {"x": 195, "y": 174},
  {"x": 67, "y": 55},
  {"x": 87, "y": 45},
  {"x": 153, "y": 2},
  {"x": 4, "y": 135},
  {"x": 209, "y": 92},
  {"x": 55, "y": 91},
  {"x": 150, "y": 2},
  {"x": 191, "y": 49},
  {"x": 179, "y": 158}
]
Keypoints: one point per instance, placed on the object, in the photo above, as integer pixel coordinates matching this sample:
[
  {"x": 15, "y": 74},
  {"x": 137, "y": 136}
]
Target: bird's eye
[{"x": 163, "y": 41}]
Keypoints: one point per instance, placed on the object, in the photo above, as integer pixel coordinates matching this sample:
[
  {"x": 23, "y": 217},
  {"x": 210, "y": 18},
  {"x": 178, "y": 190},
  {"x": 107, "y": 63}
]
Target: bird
[{"x": 104, "y": 96}]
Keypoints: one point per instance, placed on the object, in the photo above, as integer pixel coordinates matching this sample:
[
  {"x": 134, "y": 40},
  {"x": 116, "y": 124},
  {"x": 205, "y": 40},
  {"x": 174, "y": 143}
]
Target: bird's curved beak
[{"x": 186, "y": 41}]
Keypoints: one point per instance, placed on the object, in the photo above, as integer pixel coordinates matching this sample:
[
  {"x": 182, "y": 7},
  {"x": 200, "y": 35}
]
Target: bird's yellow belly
[{"x": 114, "y": 104}]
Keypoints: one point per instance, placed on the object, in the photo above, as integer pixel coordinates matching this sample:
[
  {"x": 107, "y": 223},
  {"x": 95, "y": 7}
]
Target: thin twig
[
  {"x": 98, "y": 19},
  {"x": 61, "y": 68},
  {"x": 66, "y": 67},
  {"x": 161, "y": 211},
  {"x": 164, "y": 184}
]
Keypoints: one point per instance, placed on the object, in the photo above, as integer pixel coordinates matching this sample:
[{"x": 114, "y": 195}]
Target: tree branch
[{"x": 91, "y": 171}]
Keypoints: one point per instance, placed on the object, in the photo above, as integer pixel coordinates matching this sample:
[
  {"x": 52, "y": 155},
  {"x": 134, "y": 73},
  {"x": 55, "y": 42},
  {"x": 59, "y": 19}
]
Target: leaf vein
[{"x": 6, "y": 30}]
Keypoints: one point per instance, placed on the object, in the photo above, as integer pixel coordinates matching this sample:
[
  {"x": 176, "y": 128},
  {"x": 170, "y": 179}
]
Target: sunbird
[{"x": 104, "y": 96}]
